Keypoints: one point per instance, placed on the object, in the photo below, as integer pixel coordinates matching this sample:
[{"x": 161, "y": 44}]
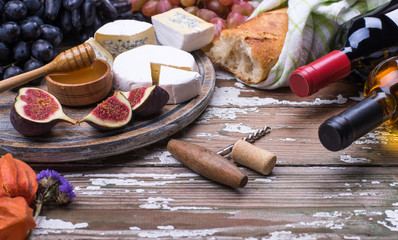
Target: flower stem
[{"x": 39, "y": 205}]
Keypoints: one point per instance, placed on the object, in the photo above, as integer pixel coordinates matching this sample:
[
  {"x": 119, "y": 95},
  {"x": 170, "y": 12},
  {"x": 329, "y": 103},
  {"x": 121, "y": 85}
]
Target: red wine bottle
[
  {"x": 360, "y": 41},
  {"x": 380, "y": 106}
]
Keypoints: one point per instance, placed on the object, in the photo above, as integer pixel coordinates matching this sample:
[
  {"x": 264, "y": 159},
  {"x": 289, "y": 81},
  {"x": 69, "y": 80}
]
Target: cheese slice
[
  {"x": 181, "y": 85},
  {"x": 180, "y": 29},
  {"x": 100, "y": 52},
  {"x": 132, "y": 69},
  {"x": 122, "y": 35},
  {"x": 155, "y": 71}
]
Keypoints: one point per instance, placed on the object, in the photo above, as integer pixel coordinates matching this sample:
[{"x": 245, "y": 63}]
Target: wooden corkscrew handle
[
  {"x": 207, "y": 163},
  {"x": 72, "y": 59}
]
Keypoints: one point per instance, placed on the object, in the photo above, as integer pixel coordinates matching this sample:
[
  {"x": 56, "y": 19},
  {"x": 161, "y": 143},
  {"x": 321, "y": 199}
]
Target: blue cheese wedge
[
  {"x": 100, "y": 52},
  {"x": 182, "y": 30},
  {"x": 168, "y": 67},
  {"x": 122, "y": 35}
]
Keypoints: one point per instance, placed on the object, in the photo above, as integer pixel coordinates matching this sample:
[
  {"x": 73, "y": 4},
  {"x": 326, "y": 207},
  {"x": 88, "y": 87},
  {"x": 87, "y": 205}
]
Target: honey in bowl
[
  {"x": 81, "y": 87},
  {"x": 84, "y": 75}
]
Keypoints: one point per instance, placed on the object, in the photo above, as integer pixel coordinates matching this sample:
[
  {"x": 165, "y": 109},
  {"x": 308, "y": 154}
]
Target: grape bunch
[
  {"x": 79, "y": 19},
  {"x": 26, "y": 42},
  {"x": 222, "y": 13}
]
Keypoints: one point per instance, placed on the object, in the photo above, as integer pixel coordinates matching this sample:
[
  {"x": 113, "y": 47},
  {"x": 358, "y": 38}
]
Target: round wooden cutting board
[{"x": 68, "y": 142}]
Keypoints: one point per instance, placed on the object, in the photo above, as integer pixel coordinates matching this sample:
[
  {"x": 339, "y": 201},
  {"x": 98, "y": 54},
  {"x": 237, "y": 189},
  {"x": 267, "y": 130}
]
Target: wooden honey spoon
[{"x": 72, "y": 59}]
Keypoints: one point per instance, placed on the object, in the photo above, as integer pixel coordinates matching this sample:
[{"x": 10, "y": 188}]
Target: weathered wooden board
[
  {"x": 173, "y": 203},
  {"x": 82, "y": 142}
]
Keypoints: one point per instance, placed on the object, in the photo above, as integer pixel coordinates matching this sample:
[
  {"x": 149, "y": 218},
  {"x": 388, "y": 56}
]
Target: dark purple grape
[
  {"x": 39, "y": 12},
  {"x": 65, "y": 21},
  {"x": 5, "y": 54},
  {"x": 2, "y": 4},
  {"x": 30, "y": 30},
  {"x": 21, "y": 51},
  {"x": 43, "y": 50},
  {"x": 15, "y": 10},
  {"x": 51, "y": 34},
  {"x": 36, "y": 19},
  {"x": 72, "y": 4},
  {"x": 12, "y": 71},
  {"x": 32, "y": 5},
  {"x": 122, "y": 6},
  {"x": 1, "y": 72},
  {"x": 30, "y": 65},
  {"x": 76, "y": 20},
  {"x": 88, "y": 12},
  {"x": 9, "y": 32},
  {"x": 52, "y": 8},
  {"x": 141, "y": 17},
  {"x": 126, "y": 15}
]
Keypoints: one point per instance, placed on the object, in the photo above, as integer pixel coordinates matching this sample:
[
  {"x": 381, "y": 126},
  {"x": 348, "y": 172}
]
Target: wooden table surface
[{"x": 312, "y": 193}]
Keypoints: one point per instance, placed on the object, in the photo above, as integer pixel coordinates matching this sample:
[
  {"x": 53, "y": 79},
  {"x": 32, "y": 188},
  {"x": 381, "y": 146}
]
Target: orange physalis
[
  {"x": 17, "y": 178},
  {"x": 16, "y": 218}
]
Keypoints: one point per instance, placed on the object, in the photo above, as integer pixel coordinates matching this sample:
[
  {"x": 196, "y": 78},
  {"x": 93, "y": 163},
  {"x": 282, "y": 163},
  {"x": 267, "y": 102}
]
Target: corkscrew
[
  {"x": 219, "y": 169},
  {"x": 250, "y": 138}
]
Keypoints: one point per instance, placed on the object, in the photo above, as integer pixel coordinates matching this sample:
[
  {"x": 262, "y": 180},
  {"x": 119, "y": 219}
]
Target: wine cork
[{"x": 253, "y": 157}]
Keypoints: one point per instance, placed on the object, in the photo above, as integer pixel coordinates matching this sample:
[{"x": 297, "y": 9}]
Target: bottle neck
[
  {"x": 310, "y": 78},
  {"x": 342, "y": 130},
  {"x": 348, "y": 51}
]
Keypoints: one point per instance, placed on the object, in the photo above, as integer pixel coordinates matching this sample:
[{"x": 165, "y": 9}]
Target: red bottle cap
[{"x": 330, "y": 68}]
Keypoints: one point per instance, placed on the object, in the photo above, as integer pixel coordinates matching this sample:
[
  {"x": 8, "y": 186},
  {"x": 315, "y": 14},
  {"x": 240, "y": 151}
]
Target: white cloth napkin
[{"x": 311, "y": 30}]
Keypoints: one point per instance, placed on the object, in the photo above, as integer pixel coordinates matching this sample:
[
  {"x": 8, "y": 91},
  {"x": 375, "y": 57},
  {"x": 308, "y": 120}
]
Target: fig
[
  {"x": 114, "y": 112},
  {"x": 36, "y": 112},
  {"x": 146, "y": 101}
]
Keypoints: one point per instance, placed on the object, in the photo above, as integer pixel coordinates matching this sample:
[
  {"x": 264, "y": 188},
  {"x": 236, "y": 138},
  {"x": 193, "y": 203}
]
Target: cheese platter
[{"x": 79, "y": 142}]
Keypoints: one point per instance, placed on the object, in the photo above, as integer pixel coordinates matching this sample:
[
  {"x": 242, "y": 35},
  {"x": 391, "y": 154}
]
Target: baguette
[{"x": 253, "y": 48}]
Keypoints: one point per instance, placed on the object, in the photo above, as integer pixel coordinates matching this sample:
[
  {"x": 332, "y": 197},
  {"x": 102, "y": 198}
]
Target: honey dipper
[
  {"x": 219, "y": 169},
  {"x": 72, "y": 59}
]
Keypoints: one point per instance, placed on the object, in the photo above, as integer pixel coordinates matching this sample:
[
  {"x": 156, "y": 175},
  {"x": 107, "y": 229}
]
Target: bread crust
[{"x": 262, "y": 37}]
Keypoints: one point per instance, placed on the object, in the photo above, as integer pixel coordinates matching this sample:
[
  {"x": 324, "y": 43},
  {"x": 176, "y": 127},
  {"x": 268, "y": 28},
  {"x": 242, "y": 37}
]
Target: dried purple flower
[
  {"x": 65, "y": 191},
  {"x": 46, "y": 178},
  {"x": 52, "y": 187}
]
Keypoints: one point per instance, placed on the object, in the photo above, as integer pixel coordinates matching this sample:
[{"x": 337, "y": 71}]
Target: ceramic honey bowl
[{"x": 81, "y": 87}]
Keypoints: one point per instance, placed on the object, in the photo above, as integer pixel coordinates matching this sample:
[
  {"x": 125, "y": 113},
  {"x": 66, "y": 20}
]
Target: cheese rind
[
  {"x": 122, "y": 35},
  {"x": 180, "y": 29},
  {"x": 181, "y": 85},
  {"x": 132, "y": 69},
  {"x": 100, "y": 52}
]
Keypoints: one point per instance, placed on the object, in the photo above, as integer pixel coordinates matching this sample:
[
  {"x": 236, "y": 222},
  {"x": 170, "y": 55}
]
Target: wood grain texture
[
  {"x": 82, "y": 142},
  {"x": 311, "y": 193}
]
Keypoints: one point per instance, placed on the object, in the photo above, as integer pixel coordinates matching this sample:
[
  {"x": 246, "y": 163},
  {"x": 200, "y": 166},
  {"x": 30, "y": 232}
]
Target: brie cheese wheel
[
  {"x": 181, "y": 85},
  {"x": 180, "y": 29},
  {"x": 100, "y": 52},
  {"x": 132, "y": 69},
  {"x": 122, "y": 35}
]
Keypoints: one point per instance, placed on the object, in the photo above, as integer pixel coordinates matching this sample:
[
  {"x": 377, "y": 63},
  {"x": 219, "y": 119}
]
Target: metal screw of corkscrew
[{"x": 250, "y": 138}]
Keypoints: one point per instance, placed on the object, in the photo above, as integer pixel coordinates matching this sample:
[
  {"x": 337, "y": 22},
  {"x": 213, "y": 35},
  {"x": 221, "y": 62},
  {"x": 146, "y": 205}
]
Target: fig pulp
[
  {"x": 36, "y": 111},
  {"x": 146, "y": 101},
  {"x": 114, "y": 112}
]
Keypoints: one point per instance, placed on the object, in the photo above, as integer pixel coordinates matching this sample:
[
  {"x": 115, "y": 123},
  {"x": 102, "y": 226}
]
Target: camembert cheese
[
  {"x": 122, "y": 35},
  {"x": 180, "y": 29},
  {"x": 132, "y": 69}
]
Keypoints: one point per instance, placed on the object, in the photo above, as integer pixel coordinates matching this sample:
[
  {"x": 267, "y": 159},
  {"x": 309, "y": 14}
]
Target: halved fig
[
  {"x": 114, "y": 112},
  {"x": 36, "y": 112},
  {"x": 146, "y": 101}
]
